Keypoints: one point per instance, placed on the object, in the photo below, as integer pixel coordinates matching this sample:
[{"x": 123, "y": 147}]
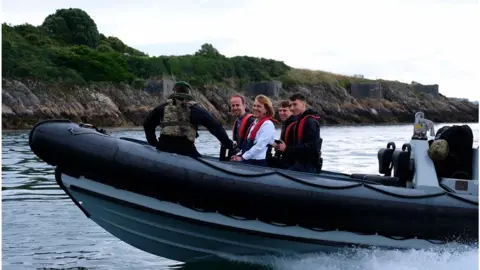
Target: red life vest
[
  {"x": 287, "y": 131},
  {"x": 300, "y": 125},
  {"x": 243, "y": 126},
  {"x": 256, "y": 128}
]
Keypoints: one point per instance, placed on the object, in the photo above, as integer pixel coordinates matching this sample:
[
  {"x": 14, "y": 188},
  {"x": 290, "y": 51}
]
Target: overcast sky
[{"x": 428, "y": 41}]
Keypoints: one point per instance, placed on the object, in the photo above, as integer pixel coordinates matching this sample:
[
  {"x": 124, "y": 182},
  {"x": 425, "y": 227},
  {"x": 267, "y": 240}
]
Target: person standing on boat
[
  {"x": 306, "y": 145},
  {"x": 260, "y": 135},
  {"x": 286, "y": 135},
  {"x": 244, "y": 120},
  {"x": 179, "y": 119}
]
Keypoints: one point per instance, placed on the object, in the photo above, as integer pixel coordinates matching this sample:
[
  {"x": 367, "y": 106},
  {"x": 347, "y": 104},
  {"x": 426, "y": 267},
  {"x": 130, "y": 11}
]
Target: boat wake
[{"x": 445, "y": 258}]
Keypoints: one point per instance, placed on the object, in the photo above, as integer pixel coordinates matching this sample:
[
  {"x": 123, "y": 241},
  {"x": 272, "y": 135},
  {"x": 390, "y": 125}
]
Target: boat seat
[
  {"x": 401, "y": 165},
  {"x": 383, "y": 180},
  {"x": 385, "y": 159}
]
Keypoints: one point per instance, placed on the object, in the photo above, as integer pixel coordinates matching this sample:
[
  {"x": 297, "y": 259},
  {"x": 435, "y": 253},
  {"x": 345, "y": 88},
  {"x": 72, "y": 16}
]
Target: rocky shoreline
[{"x": 26, "y": 102}]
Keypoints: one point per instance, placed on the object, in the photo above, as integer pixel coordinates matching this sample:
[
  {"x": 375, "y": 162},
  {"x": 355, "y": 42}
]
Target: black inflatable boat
[{"x": 189, "y": 209}]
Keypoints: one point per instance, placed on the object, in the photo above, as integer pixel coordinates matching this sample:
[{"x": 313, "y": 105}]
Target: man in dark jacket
[
  {"x": 306, "y": 146},
  {"x": 179, "y": 119},
  {"x": 280, "y": 160}
]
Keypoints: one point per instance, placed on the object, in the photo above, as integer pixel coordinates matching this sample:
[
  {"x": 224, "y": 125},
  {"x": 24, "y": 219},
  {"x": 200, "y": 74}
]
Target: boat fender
[
  {"x": 385, "y": 165},
  {"x": 401, "y": 165}
]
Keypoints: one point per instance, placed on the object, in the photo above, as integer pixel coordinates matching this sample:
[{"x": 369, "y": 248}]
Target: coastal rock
[{"x": 26, "y": 102}]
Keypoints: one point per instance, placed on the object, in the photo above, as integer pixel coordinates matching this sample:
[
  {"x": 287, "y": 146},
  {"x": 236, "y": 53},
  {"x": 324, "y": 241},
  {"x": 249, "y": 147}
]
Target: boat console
[
  {"x": 415, "y": 169},
  {"x": 461, "y": 186}
]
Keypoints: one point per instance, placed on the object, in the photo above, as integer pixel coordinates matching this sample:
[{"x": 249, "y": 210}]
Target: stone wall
[
  {"x": 269, "y": 89},
  {"x": 426, "y": 89},
  {"x": 366, "y": 90},
  {"x": 162, "y": 86}
]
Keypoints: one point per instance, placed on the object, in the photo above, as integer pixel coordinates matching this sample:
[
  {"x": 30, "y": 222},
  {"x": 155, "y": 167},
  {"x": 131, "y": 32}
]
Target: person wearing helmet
[
  {"x": 179, "y": 118},
  {"x": 451, "y": 152}
]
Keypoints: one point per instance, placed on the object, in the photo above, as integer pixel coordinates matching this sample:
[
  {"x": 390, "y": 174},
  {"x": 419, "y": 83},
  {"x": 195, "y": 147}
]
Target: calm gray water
[{"x": 42, "y": 228}]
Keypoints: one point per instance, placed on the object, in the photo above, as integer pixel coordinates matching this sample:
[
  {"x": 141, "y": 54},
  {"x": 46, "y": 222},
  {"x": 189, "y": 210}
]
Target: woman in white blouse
[{"x": 260, "y": 135}]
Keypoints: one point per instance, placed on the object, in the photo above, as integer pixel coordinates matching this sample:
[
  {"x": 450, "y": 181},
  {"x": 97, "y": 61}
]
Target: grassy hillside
[{"x": 68, "y": 47}]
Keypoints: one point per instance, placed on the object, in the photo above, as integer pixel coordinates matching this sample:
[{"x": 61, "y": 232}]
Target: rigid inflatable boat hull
[
  {"x": 179, "y": 233},
  {"x": 151, "y": 200}
]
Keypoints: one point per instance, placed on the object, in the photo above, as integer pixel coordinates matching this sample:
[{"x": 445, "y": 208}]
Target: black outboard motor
[
  {"x": 385, "y": 159},
  {"x": 401, "y": 165}
]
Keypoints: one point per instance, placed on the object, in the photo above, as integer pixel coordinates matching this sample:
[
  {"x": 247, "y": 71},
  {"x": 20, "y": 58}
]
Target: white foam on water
[{"x": 450, "y": 258}]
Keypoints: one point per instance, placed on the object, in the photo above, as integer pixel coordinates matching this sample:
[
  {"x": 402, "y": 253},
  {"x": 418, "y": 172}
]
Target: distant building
[
  {"x": 163, "y": 86},
  {"x": 267, "y": 88},
  {"x": 426, "y": 89},
  {"x": 366, "y": 90}
]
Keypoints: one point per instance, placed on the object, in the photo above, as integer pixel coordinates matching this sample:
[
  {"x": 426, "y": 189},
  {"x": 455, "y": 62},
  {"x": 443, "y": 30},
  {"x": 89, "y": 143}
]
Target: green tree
[
  {"x": 208, "y": 50},
  {"x": 68, "y": 48},
  {"x": 73, "y": 26}
]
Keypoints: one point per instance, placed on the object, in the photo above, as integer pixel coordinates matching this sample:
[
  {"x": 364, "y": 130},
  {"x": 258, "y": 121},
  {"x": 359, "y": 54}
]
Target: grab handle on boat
[
  {"x": 392, "y": 144},
  {"x": 407, "y": 146},
  {"x": 86, "y": 125}
]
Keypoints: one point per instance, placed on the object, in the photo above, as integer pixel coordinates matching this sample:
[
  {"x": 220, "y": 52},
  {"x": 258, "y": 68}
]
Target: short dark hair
[
  {"x": 298, "y": 96},
  {"x": 284, "y": 104}
]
